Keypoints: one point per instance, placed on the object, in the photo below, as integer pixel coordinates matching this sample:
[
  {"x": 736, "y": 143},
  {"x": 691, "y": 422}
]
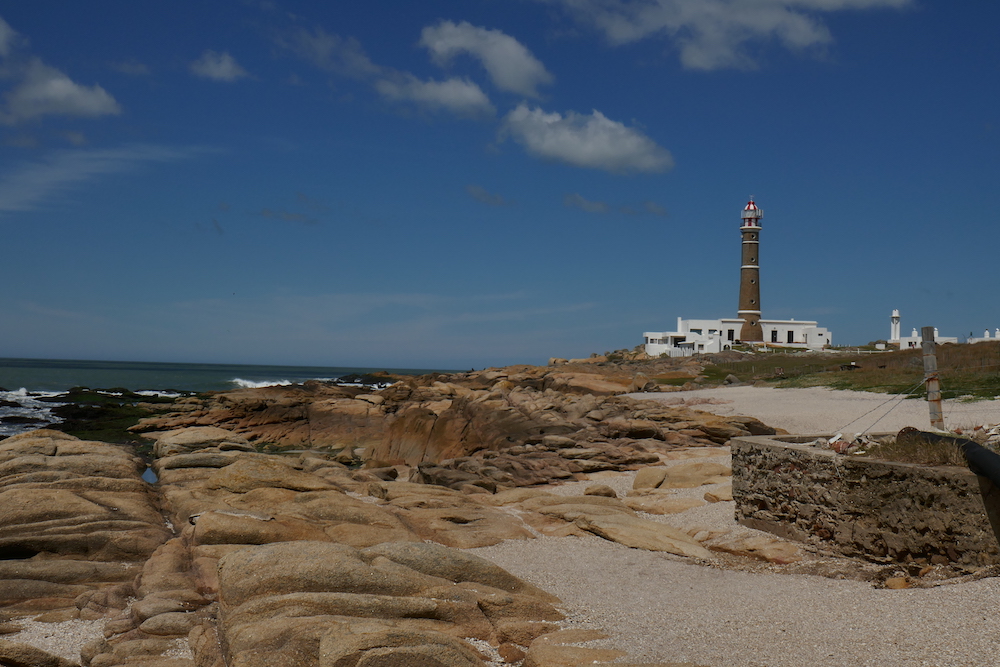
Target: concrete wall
[{"x": 874, "y": 509}]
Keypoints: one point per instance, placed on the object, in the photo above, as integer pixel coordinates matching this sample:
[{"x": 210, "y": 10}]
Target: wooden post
[{"x": 931, "y": 378}]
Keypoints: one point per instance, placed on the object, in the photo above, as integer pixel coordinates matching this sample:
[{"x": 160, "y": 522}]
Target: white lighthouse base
[{"x": 708, "y": 336}]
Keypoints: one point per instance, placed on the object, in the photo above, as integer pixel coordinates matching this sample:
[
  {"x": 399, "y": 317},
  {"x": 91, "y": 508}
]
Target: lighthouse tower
[
  {"x": 749, "y": 310},
  {"x": 894, "y": 327}
]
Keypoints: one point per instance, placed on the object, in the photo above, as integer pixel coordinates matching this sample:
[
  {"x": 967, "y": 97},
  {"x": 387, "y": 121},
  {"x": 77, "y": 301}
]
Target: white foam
[
  {"x": 253, "y": 384},
  {"x": 22, "y": 393}
]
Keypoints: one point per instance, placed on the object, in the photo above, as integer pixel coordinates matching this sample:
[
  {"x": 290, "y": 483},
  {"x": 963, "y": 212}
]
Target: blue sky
[{"x": 483, "y": 182}]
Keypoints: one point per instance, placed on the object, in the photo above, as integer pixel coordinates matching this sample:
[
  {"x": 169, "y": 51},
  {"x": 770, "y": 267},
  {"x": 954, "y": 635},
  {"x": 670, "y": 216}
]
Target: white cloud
[
  {"x": 577, "y": 201},
  {"x": 510, "y": 65},
  {"x": 24, "y": 188},
  {"x": 218, "y": 67},
  {"x": 460, "y": 96},
  {"x": 44, "y": 90},
  {"x": 713, "y": 34},
  {"x": 481, "y": 194},
  {"x": 654, "y": 208},
  {"x": 41, "y": 90},
  {"x": 331, "y": 52},
  {"x": 8, "y": 38},
  {"x": 593, "y": 141},
  {"x": 346, "y": 57}
]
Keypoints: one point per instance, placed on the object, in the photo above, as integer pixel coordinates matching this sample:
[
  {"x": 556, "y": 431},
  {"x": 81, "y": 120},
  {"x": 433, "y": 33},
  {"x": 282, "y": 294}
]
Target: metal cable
[{"x": 895, "y": 397}]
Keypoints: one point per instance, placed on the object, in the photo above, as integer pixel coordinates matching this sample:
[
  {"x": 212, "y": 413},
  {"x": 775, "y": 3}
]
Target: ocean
[{"x": 30, "y": 388}]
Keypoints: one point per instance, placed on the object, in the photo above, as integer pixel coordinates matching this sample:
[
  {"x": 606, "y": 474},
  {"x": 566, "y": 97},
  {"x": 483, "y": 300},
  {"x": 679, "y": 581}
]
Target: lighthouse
[
  {"x": 709, "y": 336},
  {"x": 749, "y": 310}
]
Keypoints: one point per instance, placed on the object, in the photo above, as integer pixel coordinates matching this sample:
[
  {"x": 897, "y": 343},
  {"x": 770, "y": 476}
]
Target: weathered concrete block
[{"x": 879, "y": 510}]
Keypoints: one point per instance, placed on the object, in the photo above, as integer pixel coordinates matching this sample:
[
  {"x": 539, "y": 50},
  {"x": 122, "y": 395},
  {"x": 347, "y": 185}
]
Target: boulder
[
  {"x": 642, "y": 534},
  {"x": 649, "y": 478},
  {"x": 466, "y": 528},
  {"x": 182, "y": 441},
  {"x": 695, "y": 473},
  {"x": 761, "y": 548},
  {"x": 557, "y": 650},
  {"x": 721, "y": 433},
  {"x": 288, "y": 567},
  {"x": 583, "y": 383},
  {"x": 405, "y": 604},
  {"x": 661, "y": 503},
  {"x": 175, "y": 623},
  {"x": 240, "y": 527},
  {"x": 15, "y": 654},
  {"x": 247, "y": 474},
  {"x": 600, "y": 490},
  {"x": 722, "y": 494},
  {"x": 454, "y": 565},
  {"x": 375, "y": 645}
]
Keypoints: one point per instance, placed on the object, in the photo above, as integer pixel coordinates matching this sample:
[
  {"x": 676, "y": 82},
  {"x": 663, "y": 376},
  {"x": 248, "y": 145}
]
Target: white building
[
  {"x": 986, "y": 336},
  {"x": 707, "y": 336},
  {"x": 914, "y": 339}
]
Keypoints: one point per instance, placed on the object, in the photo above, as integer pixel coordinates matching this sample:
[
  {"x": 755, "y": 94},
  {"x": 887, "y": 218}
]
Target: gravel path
[
  {"x": 660, "y": 609},
  {"x": 818, "y": 410}
]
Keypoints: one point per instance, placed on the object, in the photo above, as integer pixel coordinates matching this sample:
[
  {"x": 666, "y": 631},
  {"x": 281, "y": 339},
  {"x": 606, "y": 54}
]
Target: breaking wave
[{"x": 257, "y": 384}]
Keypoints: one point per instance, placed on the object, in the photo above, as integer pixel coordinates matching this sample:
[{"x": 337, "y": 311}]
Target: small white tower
[{"x": 894, "y": 327}]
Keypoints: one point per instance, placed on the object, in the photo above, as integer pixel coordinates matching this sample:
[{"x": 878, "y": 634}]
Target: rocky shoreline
[{"x": 323, "y": 525}]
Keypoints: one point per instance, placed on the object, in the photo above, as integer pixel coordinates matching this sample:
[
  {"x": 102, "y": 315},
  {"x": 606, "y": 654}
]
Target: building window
[
  {"x": 774, "y": 335},
  {"x": 791, "y": 336},
  {"x": 731, "y": 335}
]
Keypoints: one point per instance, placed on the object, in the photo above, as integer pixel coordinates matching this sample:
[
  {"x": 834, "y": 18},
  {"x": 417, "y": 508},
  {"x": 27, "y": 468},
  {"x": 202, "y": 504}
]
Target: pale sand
[
  {"x": 660, "y": 608},
  {"x": 817, "y": 410}
]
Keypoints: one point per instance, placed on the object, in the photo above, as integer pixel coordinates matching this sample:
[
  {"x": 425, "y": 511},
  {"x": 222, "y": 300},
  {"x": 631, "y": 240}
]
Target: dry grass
[
  {"x": 965, "y": 370},
  {"x": 917, "y": 451}
]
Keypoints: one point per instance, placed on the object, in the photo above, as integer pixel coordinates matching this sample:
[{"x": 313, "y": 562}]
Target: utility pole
[{"x": 931, "y": 378}]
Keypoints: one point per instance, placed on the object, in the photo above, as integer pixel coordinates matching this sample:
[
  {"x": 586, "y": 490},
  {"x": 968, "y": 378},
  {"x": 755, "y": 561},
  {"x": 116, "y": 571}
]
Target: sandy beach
[
  {"x": 660, "y": 608},
  {"x": 819, "y": 410}
]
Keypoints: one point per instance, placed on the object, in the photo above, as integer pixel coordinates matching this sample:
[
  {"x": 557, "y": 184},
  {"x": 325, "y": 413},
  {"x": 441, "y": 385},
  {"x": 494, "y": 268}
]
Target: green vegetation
[
  {"x": 971, "y": 371},
  {"x": 716, "y": 374},
  {"x": 674, "y": 382},
  {"x": 106, "y": 415}
]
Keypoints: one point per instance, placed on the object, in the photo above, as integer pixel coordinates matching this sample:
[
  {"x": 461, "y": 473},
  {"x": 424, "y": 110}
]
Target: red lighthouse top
[{"x": 752, "y": 214}]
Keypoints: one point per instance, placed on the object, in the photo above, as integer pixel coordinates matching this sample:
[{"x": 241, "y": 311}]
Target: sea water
[{"x": 24, "y": 381}]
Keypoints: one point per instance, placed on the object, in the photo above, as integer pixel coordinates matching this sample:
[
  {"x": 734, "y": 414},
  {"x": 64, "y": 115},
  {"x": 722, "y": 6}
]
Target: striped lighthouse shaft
[{"x": 749, "y": 310}]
